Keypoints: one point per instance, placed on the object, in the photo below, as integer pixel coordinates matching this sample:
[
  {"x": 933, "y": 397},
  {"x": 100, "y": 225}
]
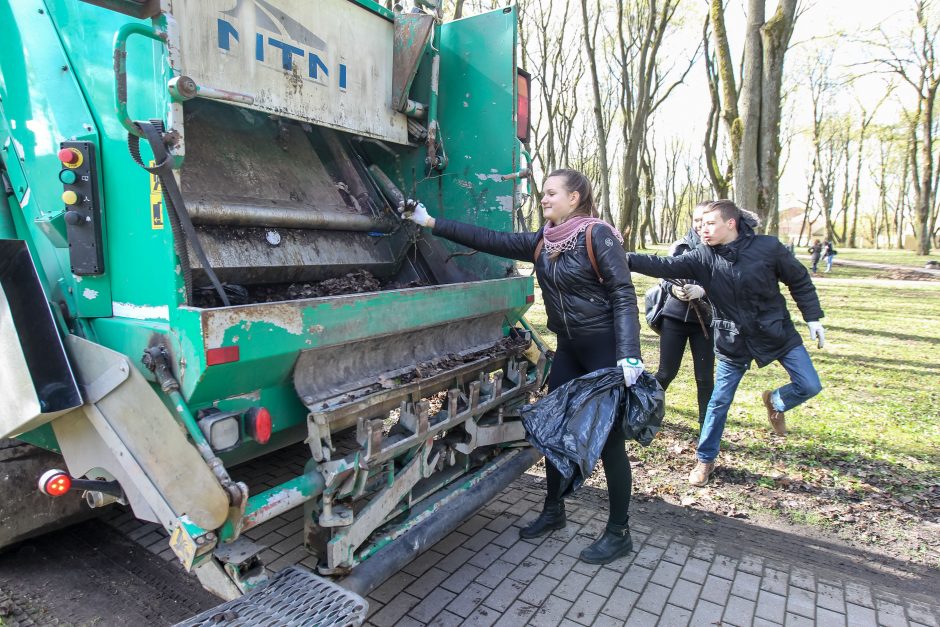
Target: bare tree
[
  {"x": 752, "y": 112},
  {"x": 557, "y": 71},
  {"x": 644, "y": 85},
  {"x": 590, "y": 47},
  {"x": 914, "y": 60}
]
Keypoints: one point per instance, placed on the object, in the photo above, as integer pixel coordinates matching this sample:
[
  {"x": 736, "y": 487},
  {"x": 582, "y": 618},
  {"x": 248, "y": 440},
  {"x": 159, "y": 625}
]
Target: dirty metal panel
[
  {"x": 235, "y": 156},
  {"x": 326, "y": 62},
  {"x": 358, "y": 364},
  {"x": 412, "y": 33},
  {"x": 476, "y": 112},
  {"x": 269, "y": 335},
  {"x": 247, "y": 255}
]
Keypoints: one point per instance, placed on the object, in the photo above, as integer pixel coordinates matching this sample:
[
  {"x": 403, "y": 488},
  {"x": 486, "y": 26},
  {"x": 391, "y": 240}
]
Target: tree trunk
[
  {"x": 747, "y": 180},
  {"x": 775, "y": 37},
  {"x": 924, "y": 193},
  {"x": 603, "y": 165},
  {"x": 754, "y": 125}
]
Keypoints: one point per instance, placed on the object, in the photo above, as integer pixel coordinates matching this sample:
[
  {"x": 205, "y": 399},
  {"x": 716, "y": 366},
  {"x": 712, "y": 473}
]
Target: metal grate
[{"x": 294, "y": 596}]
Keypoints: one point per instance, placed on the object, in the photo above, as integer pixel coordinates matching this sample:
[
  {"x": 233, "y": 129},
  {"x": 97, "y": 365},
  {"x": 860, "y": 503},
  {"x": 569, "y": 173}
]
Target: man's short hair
[{"x": 727, "y": 209}]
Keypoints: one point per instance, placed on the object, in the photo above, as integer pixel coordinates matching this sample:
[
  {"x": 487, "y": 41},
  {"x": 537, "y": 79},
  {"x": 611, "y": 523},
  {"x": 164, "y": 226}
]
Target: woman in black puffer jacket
[
  {"x": 594, "y": 315},
  {"x": 681, "y": 324}
]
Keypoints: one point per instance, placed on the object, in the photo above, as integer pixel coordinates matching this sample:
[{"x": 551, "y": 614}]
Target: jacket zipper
[{"x": 561, "y": 302}]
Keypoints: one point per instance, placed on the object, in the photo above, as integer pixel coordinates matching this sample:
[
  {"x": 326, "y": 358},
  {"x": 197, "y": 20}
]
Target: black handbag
[{"x": 655, "y": 299}]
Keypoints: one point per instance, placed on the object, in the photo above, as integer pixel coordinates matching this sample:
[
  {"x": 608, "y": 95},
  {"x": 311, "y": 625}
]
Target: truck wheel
[{"x": 24, "y": 511}]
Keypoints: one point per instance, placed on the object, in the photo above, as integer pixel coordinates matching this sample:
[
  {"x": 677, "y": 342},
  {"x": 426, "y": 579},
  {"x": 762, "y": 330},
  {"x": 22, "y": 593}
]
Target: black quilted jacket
[
  {"x": 751, "y": 320},
  {"x": 577, "y": 304}
]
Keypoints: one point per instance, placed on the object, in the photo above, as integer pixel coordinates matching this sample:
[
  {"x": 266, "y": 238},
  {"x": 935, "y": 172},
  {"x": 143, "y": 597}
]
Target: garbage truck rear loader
[{"x": 202, "y": 261}]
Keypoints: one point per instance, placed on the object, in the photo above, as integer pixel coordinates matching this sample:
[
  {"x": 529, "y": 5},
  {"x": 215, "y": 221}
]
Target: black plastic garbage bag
[
  {"x": 645, "y": 406},
  {"x": 570, "y": 426}
]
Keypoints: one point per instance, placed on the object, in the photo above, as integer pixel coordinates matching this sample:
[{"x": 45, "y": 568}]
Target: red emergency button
[{"x": 71, "y": 157}]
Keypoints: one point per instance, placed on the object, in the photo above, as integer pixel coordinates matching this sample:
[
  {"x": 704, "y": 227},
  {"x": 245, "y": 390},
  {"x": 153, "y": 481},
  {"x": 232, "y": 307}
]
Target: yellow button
[{"x": 69, "y": 197}]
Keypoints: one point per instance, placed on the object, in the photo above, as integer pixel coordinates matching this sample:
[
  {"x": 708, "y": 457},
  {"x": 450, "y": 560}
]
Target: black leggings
[
  {"x": 672, "y": 340},
  {"x": 572, "y": 359}
]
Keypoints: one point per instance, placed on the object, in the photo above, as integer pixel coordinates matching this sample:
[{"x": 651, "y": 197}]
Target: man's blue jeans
[{"x": 804, "y": 384}]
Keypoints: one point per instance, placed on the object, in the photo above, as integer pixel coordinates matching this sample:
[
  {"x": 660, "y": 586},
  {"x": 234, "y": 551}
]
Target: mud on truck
[{"x": 202, "y": 261}]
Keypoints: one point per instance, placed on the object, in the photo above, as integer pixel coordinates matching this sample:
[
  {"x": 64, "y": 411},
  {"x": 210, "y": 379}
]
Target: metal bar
[
  {"x": 299, "y": 217},
  {"x": 279, "y": 499},
  {"x": 120, "y": 69},
  {"x": 439, "y": 519},
  {"x": 411, "y": 441},
  {"x": 388, "y": 187}
]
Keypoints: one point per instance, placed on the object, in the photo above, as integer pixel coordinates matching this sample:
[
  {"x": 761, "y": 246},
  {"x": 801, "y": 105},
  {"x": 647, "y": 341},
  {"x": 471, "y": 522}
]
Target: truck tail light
[
  {"x": 55, "y": 482},
  {"x": 523, "y": 100},
  {"x": 223, "y": 430},
  {"x": 258, "y": 424}
]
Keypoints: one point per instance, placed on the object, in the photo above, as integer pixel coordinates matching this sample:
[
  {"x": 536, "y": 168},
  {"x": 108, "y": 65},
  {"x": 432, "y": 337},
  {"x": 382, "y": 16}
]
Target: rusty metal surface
[
  {"x": 412, "y": 33},
  {"x": 233, "y": 156},
  {"x": 245, "y": 254},
  {"x": 359, "y": 364}
]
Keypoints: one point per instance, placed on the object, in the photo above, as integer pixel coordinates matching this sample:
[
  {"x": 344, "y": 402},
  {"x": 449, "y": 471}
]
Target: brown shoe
[
  {"x": 776, "y": 418},
  {"x": 701, "y": 473}
]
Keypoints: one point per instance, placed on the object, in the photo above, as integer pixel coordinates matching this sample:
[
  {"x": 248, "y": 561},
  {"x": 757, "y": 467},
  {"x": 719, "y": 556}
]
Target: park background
[{"x": 856, "y": 162}]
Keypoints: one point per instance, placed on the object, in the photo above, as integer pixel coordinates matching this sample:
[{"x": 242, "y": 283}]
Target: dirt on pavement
[{"x": 91, "y": 575}]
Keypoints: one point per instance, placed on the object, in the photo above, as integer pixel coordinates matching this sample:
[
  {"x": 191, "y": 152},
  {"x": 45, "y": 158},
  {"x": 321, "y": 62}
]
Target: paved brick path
[
  {"x": 688, "y": 568},
  {"x": 483, "y": 574}
]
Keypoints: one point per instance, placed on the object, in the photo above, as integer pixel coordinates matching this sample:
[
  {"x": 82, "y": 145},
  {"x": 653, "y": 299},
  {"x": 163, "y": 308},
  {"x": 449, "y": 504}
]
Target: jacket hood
[{"x": 691, "y": 241}]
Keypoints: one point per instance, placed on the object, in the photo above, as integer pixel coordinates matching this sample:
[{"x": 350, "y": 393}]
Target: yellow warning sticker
[{"x": 156, "y": 201}]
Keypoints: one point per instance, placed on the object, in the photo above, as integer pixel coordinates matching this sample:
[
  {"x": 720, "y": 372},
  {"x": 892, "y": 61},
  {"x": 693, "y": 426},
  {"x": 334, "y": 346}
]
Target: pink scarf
[{"x": 564, "y": 237}]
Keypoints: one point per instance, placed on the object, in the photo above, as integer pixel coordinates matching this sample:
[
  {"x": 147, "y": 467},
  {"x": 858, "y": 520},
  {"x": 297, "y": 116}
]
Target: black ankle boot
[
  {"x": 551, "y": 518},
  {"x": 607, "y": 548}
]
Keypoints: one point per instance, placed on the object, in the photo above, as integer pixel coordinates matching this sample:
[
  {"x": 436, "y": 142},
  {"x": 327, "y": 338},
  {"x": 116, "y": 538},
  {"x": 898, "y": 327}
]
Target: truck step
[{"x": 295, "y": 596}]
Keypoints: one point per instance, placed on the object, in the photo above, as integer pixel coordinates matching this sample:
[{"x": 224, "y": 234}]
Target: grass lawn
[
  {"x": 862, "y": 459},
  {"x": 892, "y": 257}
]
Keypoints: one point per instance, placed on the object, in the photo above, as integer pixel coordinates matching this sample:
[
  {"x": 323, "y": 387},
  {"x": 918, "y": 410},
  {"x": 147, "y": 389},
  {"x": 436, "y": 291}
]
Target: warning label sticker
[{"x": 156, "y": 201}]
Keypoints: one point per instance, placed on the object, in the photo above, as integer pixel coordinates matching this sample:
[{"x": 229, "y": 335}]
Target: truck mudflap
[{"x": 125, "y": 432}]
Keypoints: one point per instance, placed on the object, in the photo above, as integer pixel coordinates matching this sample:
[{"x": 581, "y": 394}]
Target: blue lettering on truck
[{"x": 283, "y": 51}]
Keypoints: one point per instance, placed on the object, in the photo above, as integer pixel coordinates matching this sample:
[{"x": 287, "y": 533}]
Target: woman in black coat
[
  {"x": 815, "y": 252},
  {"x": 594, "y": 318},
  {"x": 687, "y": 318}
]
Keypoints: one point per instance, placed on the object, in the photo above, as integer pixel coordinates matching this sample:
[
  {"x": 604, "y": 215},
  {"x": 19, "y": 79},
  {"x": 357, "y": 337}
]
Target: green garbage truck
[{"x": 203, "y": 261}]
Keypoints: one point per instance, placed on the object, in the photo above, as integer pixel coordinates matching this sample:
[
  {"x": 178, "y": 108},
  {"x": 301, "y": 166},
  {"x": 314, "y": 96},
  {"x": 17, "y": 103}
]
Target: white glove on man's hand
[
  {"x": 632, "y": 369},
  {"x": 694, "y": 292},
  {"x": 416, "y": 212},
  {"x": 678, "y": 292},
  {"x": 816, "y": 332}
]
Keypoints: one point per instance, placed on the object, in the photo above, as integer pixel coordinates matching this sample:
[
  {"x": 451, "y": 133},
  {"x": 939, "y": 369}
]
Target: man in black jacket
[{"x": 740, "y": 271}]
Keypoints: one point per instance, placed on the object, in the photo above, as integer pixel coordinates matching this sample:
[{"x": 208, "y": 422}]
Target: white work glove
[
  {"x": 415, "y": 211},
  {"x": 632, "y": 369},
  {"x": 816, "y": 332},
  {"x": 694, "y": 292},
  {"x": 679, "y": 292}
]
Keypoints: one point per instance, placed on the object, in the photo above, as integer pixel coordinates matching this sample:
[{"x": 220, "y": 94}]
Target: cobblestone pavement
[{"x": 687, "y": 568}]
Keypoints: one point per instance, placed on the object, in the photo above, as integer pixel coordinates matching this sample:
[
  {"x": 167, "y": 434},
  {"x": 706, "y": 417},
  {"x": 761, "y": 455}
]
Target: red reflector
[
  {"x": 259, "y": 424},
  {"x": 221, "y": 355},
  {"x": 530, "y": 298},
  {"x": 55, "y": 483}
]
